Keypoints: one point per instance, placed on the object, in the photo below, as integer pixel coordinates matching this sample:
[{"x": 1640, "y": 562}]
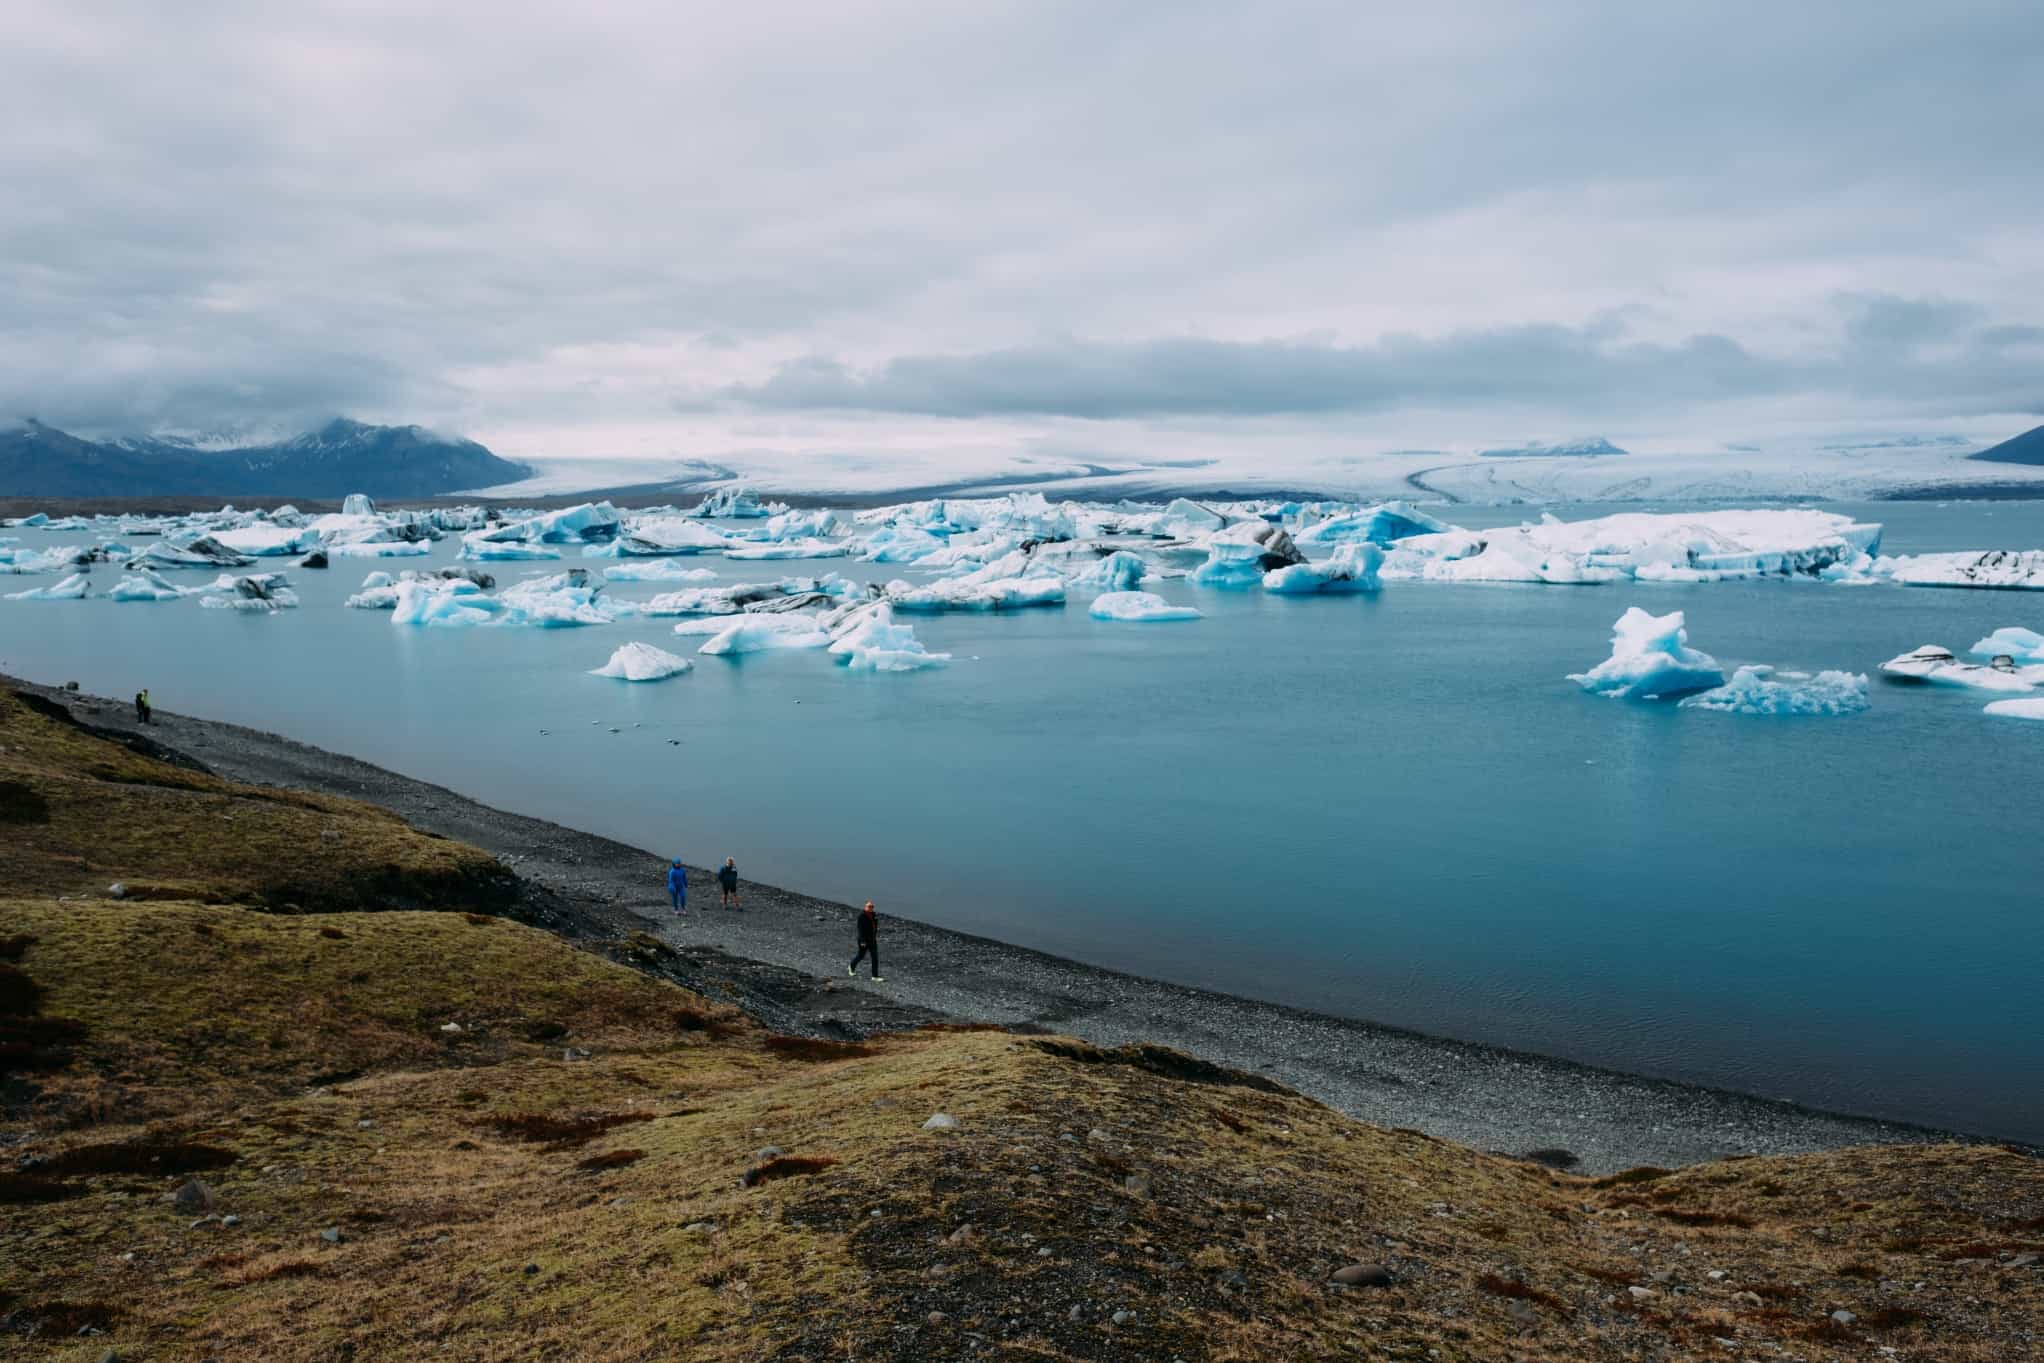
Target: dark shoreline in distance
[{"x": 792, "y": 947}]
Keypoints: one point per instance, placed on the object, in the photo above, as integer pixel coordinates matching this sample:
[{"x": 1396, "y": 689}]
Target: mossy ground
[{"x": 477, "y": 1217}]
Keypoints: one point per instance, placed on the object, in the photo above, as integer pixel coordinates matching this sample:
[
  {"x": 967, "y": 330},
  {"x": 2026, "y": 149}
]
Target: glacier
[{"x": 1650, "y": 659}]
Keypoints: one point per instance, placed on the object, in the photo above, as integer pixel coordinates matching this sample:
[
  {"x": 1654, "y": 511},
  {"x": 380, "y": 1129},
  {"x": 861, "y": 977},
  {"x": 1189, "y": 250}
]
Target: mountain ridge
[
  {"x": 341, "y": 457},
  {"x": 2027, "y": 448}
]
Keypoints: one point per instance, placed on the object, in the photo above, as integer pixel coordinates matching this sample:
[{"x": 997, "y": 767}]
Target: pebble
[
  {"x": 1717, "y": 1275},
  {"x": 1072, "y": 1314},
  {"x": 531, "y": 1269},
  {"x": 451, "y": 1028},
  {"x": 1642, "y": 1293},
  {"x": 1843, "y": 1316},
  {"x": 941, "y": 1121},
  {"x": 1747, "y": 1299},
  {"x": 1362, "y": 1275},
  {"x": 192, "y": 1196},
  {"x": 364, "y": 1124},
  {"x": 767, "y": 1152},
  {"x": 700, "y": 1228},
  {"x": 332, "y": 1235},
  {"x": 937, "y": 1317},
  {"x": 1124, "y": 1318}
]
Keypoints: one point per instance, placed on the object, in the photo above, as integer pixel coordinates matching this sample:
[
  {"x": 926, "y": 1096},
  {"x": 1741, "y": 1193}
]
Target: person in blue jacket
[{"x": 677, "y": 886}]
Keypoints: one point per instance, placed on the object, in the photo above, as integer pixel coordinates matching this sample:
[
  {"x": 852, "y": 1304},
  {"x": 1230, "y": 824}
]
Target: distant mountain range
[
  {"x": 2027, "y": 448},
  {"x": 1594, "y": 445},
  {"x": 339, "y": 458}
]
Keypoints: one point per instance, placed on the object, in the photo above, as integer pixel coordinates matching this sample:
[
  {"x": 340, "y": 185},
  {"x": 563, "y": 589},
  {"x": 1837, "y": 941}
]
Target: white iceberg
[
  {"x": 1998, "y": 569},
  {"x": 1762, "y": 691},
  {"x": 1351, "y": 568},
  {"x": 657, "y": 570},
  {"x": 661, "y": 537},
  {"x": 1935, "y": 664},
  {"x": 199, "y": 551},
  {"x": 564, "y": 600},
  {"x": 147, "y": 586},
  {"x": 76, "y": 587},
  {"x": 442, "y": 603},
  {"x": 798, "y": 548},
  {"x": 1138, "y": 606},
  {"x": 380, "y": 549},
  {"x": 1242, "y": 554},
  {"x": 636, "y": 662},
  {"x": 262, "y": 540},
  {"x": 259, "y": 593},
  {"x": 868, "y": 640},
  {"x": 507, "y": 551},
  {"x": 732, "y": 503},
  {"x": 1650, "y": 658},
  {"x": 589, "y": 523},
  {"x": 974, "y": 593},
  {"x": 1120, "y": 571},
  {"x": 754, "y": 633},
  {"x": 2011, "y": 641},
  {"x": 1379, "y": 525},
  {"x": 2032, "y": 708},
  {"x": 357, "y": 504}
]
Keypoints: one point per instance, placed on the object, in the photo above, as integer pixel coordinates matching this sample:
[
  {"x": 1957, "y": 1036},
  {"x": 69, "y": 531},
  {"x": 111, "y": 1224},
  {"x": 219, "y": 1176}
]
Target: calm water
[{"x": 1392, "y": 808}]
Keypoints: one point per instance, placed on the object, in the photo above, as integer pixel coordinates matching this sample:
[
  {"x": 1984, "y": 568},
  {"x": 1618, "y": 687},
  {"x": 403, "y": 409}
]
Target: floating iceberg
[
  {"x": 442, "y": 603},
  {"x": 76, "y": 587},
  {"x": 357, "y": 504},
  {"x": 1242, "y": 554},
  {"x": 1352, "y": 568},
  {"x": 1762, "y": 691},
  {"x": 147, "y": 586},
  {"x": 1936, "y": 664},
  {"x": 758, "y": 633},
  {"x": 589, "y": 523},
  {"x": 258, "y": 594},
  {"x": 1120, "y": 571},
  {"x": 657, "y": 570},
  {"x": 1377, "y": 524},
  {"x": 2022, "y": 645},
  {"x": 663, "y": 536},
  {"x": 732, "y": 503},
  {"x": 380, "y": 549},
  {"x": 637, "y": 662},
  {"x": 202, "y": 551},
  {"x": 1704, "y": 546},
  {"x": 900, "y": 544},
  {"x": 973, "y": 593},
  {"x": 799, "y": 548},
  {"x": 1650, "y": 658},
  {"x": 2033, "y": 708},
  {"x": 1998, "y": 569},
  {"x": 267, "y": 541},
  {"x": 561, "y": 601},
  {"x": 868, "y": 640},
  {"x": 1138, "y": 606},
  {"x": 500, "y": 551}
]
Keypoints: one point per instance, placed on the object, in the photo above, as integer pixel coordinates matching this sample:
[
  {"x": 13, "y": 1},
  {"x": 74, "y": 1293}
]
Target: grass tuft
[{"x": 561, "y": 1133}]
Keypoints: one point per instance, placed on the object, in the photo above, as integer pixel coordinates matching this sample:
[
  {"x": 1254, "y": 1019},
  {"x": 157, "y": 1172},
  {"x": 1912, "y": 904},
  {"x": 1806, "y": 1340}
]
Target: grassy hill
[{"x": 400, "y": 1125}]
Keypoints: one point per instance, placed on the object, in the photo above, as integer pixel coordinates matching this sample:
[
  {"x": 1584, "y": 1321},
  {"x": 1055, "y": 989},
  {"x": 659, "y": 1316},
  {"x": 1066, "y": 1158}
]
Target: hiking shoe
[
  {"x": 880, "y": 979},
  {"x": 852, "y": 970}
]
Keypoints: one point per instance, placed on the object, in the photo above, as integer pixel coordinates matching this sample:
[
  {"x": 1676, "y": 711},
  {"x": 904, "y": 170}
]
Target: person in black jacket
[
  {"x": 727, "y": 880},
  {"x": 869, "y": 942}
]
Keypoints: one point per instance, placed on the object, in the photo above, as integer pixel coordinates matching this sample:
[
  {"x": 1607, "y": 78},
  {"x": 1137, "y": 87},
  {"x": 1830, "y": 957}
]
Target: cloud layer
[{"x": 711, "y": 227}]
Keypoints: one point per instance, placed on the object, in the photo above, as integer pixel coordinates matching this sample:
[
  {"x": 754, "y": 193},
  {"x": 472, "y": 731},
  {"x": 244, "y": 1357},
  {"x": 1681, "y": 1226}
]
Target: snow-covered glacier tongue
[{"x": 1650, "y": 659}]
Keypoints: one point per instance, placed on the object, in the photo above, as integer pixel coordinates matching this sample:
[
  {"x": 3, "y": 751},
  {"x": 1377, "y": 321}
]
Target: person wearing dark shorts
[
  {"x": 869, "y": 942},
  {"x": 727, "y": 879}
]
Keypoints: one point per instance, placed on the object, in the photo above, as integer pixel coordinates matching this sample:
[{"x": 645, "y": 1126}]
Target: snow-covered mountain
[{"x": 340, "y": 457}]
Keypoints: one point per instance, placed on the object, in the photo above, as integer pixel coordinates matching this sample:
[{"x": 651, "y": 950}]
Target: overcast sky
[{"x": 623, "y": 228}]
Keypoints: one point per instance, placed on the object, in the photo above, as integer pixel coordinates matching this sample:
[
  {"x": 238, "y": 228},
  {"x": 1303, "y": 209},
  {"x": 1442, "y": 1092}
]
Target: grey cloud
[
  {"x": 1528, "y": 364},
  {"x": 231, "y": 211}
]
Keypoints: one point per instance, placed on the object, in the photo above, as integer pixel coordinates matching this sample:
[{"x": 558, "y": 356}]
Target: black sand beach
[{"x": 784, "y": 958}]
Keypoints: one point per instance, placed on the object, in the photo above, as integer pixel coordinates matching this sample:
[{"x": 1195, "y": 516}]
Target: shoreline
[{"x": 783, "y": 953}]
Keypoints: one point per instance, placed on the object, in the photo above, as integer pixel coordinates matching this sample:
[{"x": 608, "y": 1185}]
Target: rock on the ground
[
  {"x": 1362, "y": 1275},
  {"x": 941, "y": 1121},
  {"x": 192, "y": 1198}
]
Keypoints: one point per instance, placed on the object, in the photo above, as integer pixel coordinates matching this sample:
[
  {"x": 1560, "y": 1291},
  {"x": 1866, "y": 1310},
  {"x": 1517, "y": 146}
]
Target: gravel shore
[{"x": 792, "y": 949}]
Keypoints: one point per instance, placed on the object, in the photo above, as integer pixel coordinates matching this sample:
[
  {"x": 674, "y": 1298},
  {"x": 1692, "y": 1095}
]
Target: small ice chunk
[
  {"x": 2025, "y": 646},
  {"x": 866, "y": 639},
  {"x": 1650, "y": 658},
  {"x": 2031, "y": 708},
  {"x": 76, "y": 587},
  {"x": 658, "y": 570},
  {"x": 145, "y": 586},
  {"x": 1138, "y": 606},
  {"x": 1351, "y": 568},
  {"x": 1761, "y": 691},
  {"x": 636, "y": 662},
  {"x": 1120, "y": 571}
]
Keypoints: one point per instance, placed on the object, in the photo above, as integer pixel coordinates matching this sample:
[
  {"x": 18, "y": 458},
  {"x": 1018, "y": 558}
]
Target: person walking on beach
[
  {"x": 142, "y": 707},
  {"x": 677, "y": 886},
  {"x": 727, "y": 878},
  {"x": 869, "y": 942}
]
